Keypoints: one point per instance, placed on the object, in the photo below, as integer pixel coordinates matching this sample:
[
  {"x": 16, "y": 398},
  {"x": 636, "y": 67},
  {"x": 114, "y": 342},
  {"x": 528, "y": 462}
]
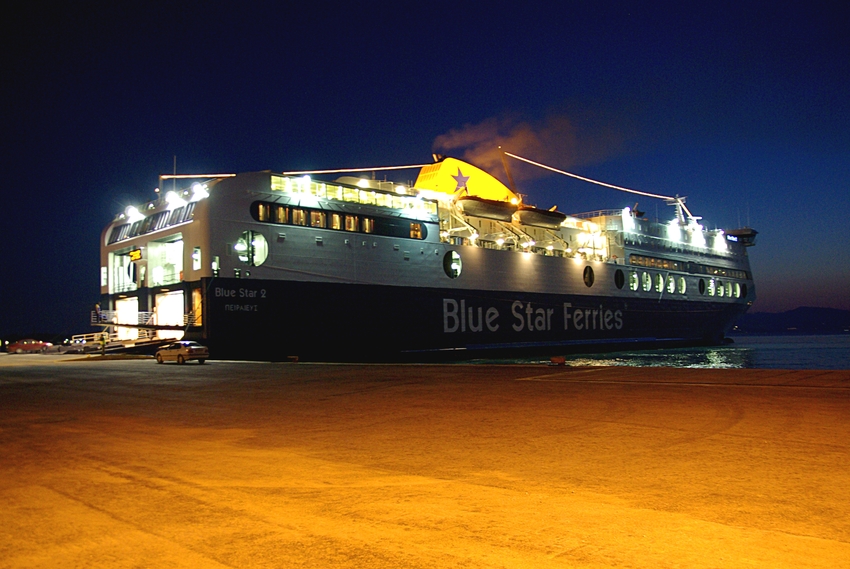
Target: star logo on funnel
[{"x": 461, "y": 180}]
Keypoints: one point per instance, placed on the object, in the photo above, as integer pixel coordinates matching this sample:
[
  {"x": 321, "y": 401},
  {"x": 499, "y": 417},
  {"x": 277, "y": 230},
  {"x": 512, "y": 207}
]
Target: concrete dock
[{"x": 234, "y": 464}]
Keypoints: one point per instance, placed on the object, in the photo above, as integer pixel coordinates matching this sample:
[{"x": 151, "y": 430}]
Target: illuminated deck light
[
  {"x": 628, "y": 220},
  {"x": 133, "y": 214},
  {"x": 174, "y": 200},
  {"x": 199, "y": 192},
  {"x": 720, "y": 242},
  {"x": 673, "y": 232},
  {"x": 697, "y": 236}
]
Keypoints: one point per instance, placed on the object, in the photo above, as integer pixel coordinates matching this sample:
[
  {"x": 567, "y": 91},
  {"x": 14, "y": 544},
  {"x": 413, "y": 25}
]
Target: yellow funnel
[{"x": 453, "y": 176}]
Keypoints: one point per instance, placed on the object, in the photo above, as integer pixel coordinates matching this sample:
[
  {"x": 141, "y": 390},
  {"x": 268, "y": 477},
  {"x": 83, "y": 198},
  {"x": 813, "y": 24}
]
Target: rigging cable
[{"x": 675, "y": 200}]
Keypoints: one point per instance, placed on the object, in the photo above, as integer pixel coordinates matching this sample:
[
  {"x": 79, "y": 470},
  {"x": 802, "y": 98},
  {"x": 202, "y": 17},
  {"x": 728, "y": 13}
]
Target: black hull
[{"x": 278, "y": 320}]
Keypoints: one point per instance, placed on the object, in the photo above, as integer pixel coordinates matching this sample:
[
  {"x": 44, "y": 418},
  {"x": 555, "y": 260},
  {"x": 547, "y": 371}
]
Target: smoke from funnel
[{"x": 555, "y": 141}]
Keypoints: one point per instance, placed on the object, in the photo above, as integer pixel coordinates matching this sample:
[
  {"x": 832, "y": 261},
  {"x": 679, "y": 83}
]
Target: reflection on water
[
  {"x": 713, "y": 357},
  {"x": 760, "y": 352}
]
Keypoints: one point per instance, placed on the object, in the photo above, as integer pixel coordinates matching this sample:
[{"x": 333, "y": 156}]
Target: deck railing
[{"x": 110, "y": 318}]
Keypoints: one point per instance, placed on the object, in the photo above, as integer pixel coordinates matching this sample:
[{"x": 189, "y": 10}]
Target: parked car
[
  {"x": 28, "y": 346},
  {"x": 182, "y": 351}
]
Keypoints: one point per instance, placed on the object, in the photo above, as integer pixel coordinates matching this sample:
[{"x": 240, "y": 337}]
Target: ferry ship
[{"x": 317, "y": 266}]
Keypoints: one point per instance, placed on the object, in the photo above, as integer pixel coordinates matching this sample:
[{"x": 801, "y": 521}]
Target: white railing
[
  {"x": 110, "y": 318},
  {"x": 96, "y": 337}
]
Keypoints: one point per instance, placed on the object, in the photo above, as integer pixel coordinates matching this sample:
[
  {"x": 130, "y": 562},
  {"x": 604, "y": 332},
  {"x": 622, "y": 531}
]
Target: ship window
[
  {"x": 190, "y": 212},
  {"x": 350, "y": 194},
  {"x": 659, "y": 283},
  {"x": 252, "y": 248},
  {"x": 737, "y": 290},
  {"x": 336, "y": 221},
  {"x": 416, "y": 231},
  {"x": 588, "y": 276},
  {"x": 351, "y": 223},
  {"x": 619, "y": 279},
  {"x": 682, "y": 285},
  {"x": 263, "y": 212},
  {"x": 452, "y": 264},
  {"x": 646, "y": 278},
  {"x": 158, "y": 220},
  {"x": 744, "y": 290},
  {"x": 712, "y": 287},
  {"x": 317, "y": 219},
  {"x": 333, "y": 192},
  {"x": 728, "y": 288},
  {"x": 702, "y": 286},
  {"x": 720, "y": 289},
  {"x": 281, "y": 214},
  {"x": 633, "y": 280},
  {"x": 165, "y": 261},
  {"x": 299, "y": 217},
  {"x": 671, "y": 284},
  {"x": 134, "y": 230},
  {"x": 368, "y": 225},
  {"x": 176, "y": 216},
  {"x": 116, "y": 234}
]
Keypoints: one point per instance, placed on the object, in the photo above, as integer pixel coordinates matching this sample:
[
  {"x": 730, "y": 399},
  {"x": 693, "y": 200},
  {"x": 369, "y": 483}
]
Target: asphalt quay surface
[{"x": 126, "y": 463}]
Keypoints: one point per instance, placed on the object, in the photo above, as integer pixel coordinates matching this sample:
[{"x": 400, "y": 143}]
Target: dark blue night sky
[{"x": 743, "y": 107}]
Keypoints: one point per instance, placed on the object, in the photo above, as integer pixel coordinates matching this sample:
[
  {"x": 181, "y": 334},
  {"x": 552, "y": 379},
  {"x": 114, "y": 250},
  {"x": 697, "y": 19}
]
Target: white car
[{"x": 182, "y": 351}]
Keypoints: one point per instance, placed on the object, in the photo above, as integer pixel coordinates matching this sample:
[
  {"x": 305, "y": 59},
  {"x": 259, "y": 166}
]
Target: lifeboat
[
  {"x": 489, "y": 209},
  {"x": 548, "y": 218}
]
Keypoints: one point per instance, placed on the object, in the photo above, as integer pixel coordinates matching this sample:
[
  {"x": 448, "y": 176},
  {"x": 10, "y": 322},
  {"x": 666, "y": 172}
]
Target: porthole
[
  {"x": 588, "y": 276},
  {"x": 712, "y": 287},
  {"x": 252, "y": 248},
  {"x": 646, "y": 278},
  {"x": 683, "y": 285},
  {"x": 744, "y": 290},
  {"x": 633, "y": 280},
  {"x": 721, "y": 290},
  {"x": 671, "y": 284},
  {"x": 659, "y": 283},
  {"x": 729, "y": 289},
  {"x": 702, "y": 286},
  {"x": 737, "y": 290},
  {"x": 452, "y": 264},
  {"x": 619, "y": 279}
]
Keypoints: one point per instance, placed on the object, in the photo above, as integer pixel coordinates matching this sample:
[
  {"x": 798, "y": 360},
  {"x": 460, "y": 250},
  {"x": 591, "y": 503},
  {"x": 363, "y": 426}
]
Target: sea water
[{"x": 753, "y": 352}]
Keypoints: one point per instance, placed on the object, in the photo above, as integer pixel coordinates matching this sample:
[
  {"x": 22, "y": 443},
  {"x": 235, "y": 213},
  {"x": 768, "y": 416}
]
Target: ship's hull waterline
[{"x": 276, "y": 320}]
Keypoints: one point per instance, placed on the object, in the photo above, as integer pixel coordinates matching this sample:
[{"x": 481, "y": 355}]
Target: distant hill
[{"x": 803, "y": 320}]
